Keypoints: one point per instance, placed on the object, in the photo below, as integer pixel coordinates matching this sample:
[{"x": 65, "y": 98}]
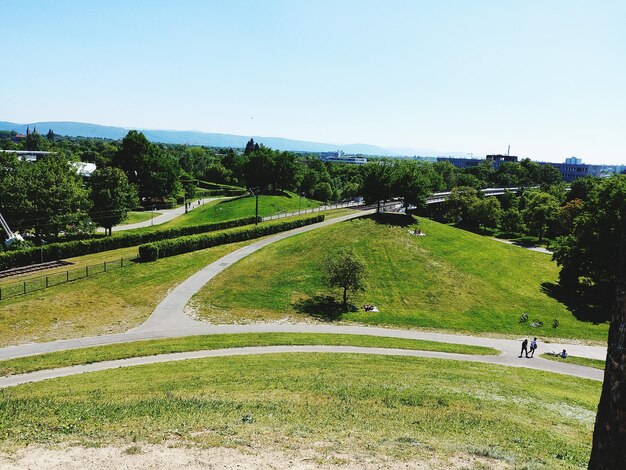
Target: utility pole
[{"x": 255, "y": 193}]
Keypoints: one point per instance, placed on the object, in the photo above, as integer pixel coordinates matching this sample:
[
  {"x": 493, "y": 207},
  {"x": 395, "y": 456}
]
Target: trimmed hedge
[
  {"x": 55, "y": 251},
  {"x": 177, "y": 246}
]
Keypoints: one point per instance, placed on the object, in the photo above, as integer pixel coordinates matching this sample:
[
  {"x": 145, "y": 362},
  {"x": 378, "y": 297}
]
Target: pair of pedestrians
[{"x": 533, "y": 346}]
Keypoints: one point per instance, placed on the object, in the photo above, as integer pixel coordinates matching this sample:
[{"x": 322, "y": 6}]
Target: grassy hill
[
  {"x": 325, "y": 406},
  {"x": 236, "y": 208},
  {"x": 448, "y": 279}
]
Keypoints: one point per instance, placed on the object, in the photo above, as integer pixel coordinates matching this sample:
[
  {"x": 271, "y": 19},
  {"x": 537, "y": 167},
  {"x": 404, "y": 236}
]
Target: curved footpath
[
  {"x": 165, "y": 215},
  {"x": 169, "y": 320},
  {"x": 535, "y": 363}
]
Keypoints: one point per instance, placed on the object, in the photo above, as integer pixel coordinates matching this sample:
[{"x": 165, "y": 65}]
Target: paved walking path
[
  {"x": 536, "y": 363},
  {"x": 538, "y": 249},
  {"x": 169, "y": 320},
  {"x": 165, "y": 216}
]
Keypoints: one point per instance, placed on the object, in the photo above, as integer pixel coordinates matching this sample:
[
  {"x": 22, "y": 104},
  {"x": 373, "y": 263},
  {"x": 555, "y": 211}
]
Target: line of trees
[{"x": 135, "y": 171}]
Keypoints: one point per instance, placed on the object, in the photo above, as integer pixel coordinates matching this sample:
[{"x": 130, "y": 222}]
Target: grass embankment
[
  {"x": 136, "y": 217},
  {"x": 111, "y": 302},
  {"x": 239, "y": 207},
  {"x": 581, "y": 361},
  {"x": 330, "y": 405},
  {"x": 106, "y": 303},
  {"x": 197, "y": 343},
  {"x": 448, "y": 279}
]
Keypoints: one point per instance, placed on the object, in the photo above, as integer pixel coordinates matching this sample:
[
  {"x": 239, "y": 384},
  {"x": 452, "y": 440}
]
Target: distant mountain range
[{"x": 81, "y": 129}]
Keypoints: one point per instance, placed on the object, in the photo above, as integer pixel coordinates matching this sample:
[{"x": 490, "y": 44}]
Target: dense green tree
[
  {"x": 195, "y": 161},
  {"x": 486, "y": 212},
  {"x": 322, "y": 191},
  {"x": 459, "y": 206},
  {"x": 346, "y": 271},
  {"x": 509, "y": 200},
  {"x": 15, "y": 204},
  {"x": 512, "y": 221},
  {"x": 35, "y": 141},
  {"x": 412, "y": 185},
  {"x": 541, "y": 210},
  {"x": 158, "y": 176},
  {"x": 58, "y": 199},
  {"x": 469, "y": 180},
  {"x": 251, "y": 147},
  {"x": 378, "y": 182},
  {"x": 150, "y": 167},
  {"x": 448, "y": 175},
  {"x": 596, "y": 249},
  {"x": 582, "y": 188},
  {"x": 112, "y": 197},
  {"x": 259, "y": 169},
  {"x": 130, "y": 157},
  {"x": 285, "y": 173},
  {"x": 511, "y": 174}
]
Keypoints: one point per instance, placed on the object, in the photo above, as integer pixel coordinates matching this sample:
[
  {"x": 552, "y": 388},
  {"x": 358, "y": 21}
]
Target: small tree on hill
[{"x": 346, "y": 271}]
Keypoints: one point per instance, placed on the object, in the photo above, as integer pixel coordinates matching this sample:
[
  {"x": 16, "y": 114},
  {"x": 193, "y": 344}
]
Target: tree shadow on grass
[
  {"x": 323, "y": 307},
  {"x": 583, "y": 306},
  {"x": 393, "y": 219}
]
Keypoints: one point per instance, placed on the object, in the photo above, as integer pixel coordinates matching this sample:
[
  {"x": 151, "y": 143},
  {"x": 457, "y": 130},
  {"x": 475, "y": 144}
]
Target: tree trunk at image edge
[
  {"x": 345, "y": 297},
  {"x": 609, "y": 434}
]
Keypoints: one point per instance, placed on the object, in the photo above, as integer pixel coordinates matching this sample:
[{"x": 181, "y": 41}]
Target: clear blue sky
[{"x": 547, "y": 77}]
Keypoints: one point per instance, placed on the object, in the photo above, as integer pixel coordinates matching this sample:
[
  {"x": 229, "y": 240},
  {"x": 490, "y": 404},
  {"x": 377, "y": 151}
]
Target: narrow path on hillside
[
  {"x": 535, "y": 363},
  {"x": 538, "y": 249},
  {"x": 170, "y": 314},
  {"x": 165, "y": 215}
]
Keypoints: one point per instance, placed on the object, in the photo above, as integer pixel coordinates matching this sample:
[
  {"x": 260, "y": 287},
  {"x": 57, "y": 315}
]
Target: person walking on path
[
  {"x": 524, "y": 347},
  {"x": 533, "y": 346}
]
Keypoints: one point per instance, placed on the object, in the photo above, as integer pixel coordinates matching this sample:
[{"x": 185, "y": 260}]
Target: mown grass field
[
  {"x": 336, "y": 404},
  {"x": 136, "y": 217},
  {"x": 110, "y": 302},
  {"x": 196, "y": 343},
  {"x": 581, "y": 361},
  {"x": 449, "y": 279},
  {"x": 239, "y": 207}
]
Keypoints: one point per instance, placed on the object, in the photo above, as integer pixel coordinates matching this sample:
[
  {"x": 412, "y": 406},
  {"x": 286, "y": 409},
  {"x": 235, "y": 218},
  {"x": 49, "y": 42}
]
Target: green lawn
[
  {"x": 581, "y": 361},
  {"x": 111, "y": 302},
  {"x": 239, "y": 207},
  {"x": 334, "y": 404},
  {"x": 136, "y": 217},
  {"x": 449, "y": 279},
  {"x": 196, "y": 343}
]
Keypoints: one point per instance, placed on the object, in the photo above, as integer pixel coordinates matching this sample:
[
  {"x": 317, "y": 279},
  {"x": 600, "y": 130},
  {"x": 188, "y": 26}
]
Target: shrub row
[
  {"x": 55, "y": 251},
  {"x": 177, "y": 246}
]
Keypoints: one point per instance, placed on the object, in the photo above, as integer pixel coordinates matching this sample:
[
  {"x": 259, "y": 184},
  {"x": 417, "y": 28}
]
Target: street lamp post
[
  {"x": 152, "y": 219},
  {"x": 255, "y": 193}
]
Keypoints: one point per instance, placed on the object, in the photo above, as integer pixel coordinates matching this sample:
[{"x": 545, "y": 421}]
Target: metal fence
[
  {"x": 325, "y": 207},
  {"x": 61, "y": 277}
]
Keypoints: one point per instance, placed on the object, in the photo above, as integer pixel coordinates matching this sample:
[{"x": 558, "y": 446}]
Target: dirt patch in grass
[{"x": 166, "y": 457}]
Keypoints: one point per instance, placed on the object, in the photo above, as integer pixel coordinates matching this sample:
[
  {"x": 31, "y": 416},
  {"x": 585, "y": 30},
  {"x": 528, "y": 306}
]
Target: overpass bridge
[{"x": 441, "y": 197}]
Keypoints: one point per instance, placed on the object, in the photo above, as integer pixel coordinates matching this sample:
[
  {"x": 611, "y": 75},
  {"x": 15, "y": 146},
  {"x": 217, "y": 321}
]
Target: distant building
[
  {"x": 82, "y": 168},
  {"x": 498, "y": 159},
  {"x": 461, "y": 162},
  {"x": 341, "y": 157},
  {"x": 336, "y": 154},
  {"x": 574, "y": 168},
  {"x": 28, "y": 155}
]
